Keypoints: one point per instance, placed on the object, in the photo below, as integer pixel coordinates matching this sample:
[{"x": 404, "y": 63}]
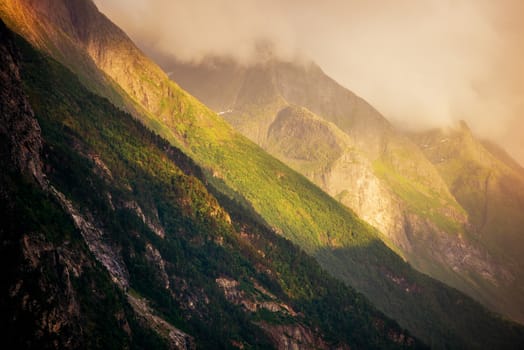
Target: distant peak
[
  {"x": 264, "y": 50},
  {"x": 463, "y": 126},
  {"x": 458, "y": 129}
]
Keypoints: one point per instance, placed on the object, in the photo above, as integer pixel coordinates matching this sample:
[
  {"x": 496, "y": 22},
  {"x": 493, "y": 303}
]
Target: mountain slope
[
  {"x": 51, "y": 287},
  {"x": 490, "y": 186},
  {"x": 382, "y": 174},
  {"x": 113, "y": 241},
  {"x": 242, "y": 172}
]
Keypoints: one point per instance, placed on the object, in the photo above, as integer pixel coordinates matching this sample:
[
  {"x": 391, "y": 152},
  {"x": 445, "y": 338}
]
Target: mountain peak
[
  {"x": 463, "y": 126},
  {"x": 461, "y": 132},
  {"x": 264, "y": 50}
]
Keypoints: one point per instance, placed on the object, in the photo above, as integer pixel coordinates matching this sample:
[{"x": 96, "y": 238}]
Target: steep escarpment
[
  {"x": 490, "y": 187},
  {"x": 380, "y": 173},
  {"x": 364, "y": 129},
  {"x": 51, "y": 284},
  {"x": 120, "y": 227},
  {"x": 104, "y": 171},
  {"x": 20, "y": 131},
  {"x": 329, "y": 157}
]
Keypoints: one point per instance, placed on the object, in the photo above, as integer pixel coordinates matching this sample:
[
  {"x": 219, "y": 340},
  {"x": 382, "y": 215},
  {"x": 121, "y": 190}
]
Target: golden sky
[{"x": 422, "y": 63}]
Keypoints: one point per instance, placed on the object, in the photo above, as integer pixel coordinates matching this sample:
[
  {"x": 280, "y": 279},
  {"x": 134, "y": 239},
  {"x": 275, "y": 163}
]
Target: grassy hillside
[
  {"x": 379, "y": 172},
  {"x": 239, "y": 170}
]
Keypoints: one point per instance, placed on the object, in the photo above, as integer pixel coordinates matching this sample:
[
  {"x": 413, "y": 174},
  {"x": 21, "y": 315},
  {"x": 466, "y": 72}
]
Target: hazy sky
[{"x": 420, "y": 62}]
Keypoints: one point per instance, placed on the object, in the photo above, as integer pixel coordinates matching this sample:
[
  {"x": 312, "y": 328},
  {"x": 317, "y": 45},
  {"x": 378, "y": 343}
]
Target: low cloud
[{"x": 422, "y": 63}]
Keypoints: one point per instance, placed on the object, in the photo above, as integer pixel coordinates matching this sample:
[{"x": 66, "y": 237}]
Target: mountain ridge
[
  {"x": 317, "y": 222},
  {"x": 121, "y": 248},
  {"x": 387, "y": 179}
]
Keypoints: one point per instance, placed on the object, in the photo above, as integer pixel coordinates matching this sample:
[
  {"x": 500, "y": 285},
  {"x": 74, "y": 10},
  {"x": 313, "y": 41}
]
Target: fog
[{"x": 422, "y": 63}]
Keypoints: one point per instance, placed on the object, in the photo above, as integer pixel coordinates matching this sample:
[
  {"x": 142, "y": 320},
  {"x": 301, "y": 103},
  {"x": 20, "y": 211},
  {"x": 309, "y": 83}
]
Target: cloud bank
[{"x": 422, "y": 63}]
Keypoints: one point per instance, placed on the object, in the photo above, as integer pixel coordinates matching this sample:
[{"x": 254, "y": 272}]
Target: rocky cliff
[
  {"x": 22, "y": 142},
  {"x": 42, "y": 296}
]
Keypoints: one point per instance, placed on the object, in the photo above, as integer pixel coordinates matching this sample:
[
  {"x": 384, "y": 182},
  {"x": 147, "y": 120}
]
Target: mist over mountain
[
  {"x": 95, "y": 267},
  {"x": 166, "y": 228},
  {"x": 449, "y": 204},
  {"x": 421, "y": 63}
]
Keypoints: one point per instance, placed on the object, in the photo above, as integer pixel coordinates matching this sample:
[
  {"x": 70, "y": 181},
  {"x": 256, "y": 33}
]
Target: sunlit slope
[
  {"x": 304, "y": 118},
  {"x": 391, "y": 159}
]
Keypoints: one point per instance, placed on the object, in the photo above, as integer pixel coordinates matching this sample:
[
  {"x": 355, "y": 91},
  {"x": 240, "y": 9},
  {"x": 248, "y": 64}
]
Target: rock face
[
  {"x": 93, "y": 237},
  {"x": 290, "y": 334},
  {"x": 61, "y": 318},
  {"x": 393, "y": 181},
  {"x": 294, "y": 337},
  {"x": 178, "y": 340},
  {"x": 152, "y": 224},
  {"x": 18, "y": 127},
  {"x": 20, "y": 148},
  {"x": 154, "y": 257},
  {"x": 253, "y": 302},
  {"x": 45, "y": 295},
  {"x": 330, "y": 158}
]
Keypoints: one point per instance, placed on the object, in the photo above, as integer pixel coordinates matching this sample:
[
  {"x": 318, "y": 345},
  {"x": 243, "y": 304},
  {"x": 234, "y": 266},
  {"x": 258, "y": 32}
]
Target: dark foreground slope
[
  {"x": 111, "y": 240},
  {"x": 243, "y": 174}
]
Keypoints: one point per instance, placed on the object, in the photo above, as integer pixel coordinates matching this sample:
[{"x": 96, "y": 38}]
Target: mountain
[
  {"x": 245, "y": 180},
  {"x": 489, "y": 185},
  {"x": 304, "y": 118},
  {"x": 111, "y": 239}
]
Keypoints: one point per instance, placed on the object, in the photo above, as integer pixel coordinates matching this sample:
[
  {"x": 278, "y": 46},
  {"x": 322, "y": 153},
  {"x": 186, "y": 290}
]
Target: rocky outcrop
[
  {"x": 58, "y": 316},
  {"x": 94, "y": 237},
  {"x": 490, "y": 187},
  {"x": 296, "y": 337},
  {"x": 20, "y": 131},
  {"x": 176, "y": 338},
  {"x": 250, "y": 301},
  {"x": 154, "y": 257},
  {"x": 351, "y": 180},
  {"x": 100, "y": 167},
  {"x": 328, "y": 157},
  {"x": 290, "y": 335},
  {"x": 55, "y": 306},
  {"x": 153, "y": 225}
]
